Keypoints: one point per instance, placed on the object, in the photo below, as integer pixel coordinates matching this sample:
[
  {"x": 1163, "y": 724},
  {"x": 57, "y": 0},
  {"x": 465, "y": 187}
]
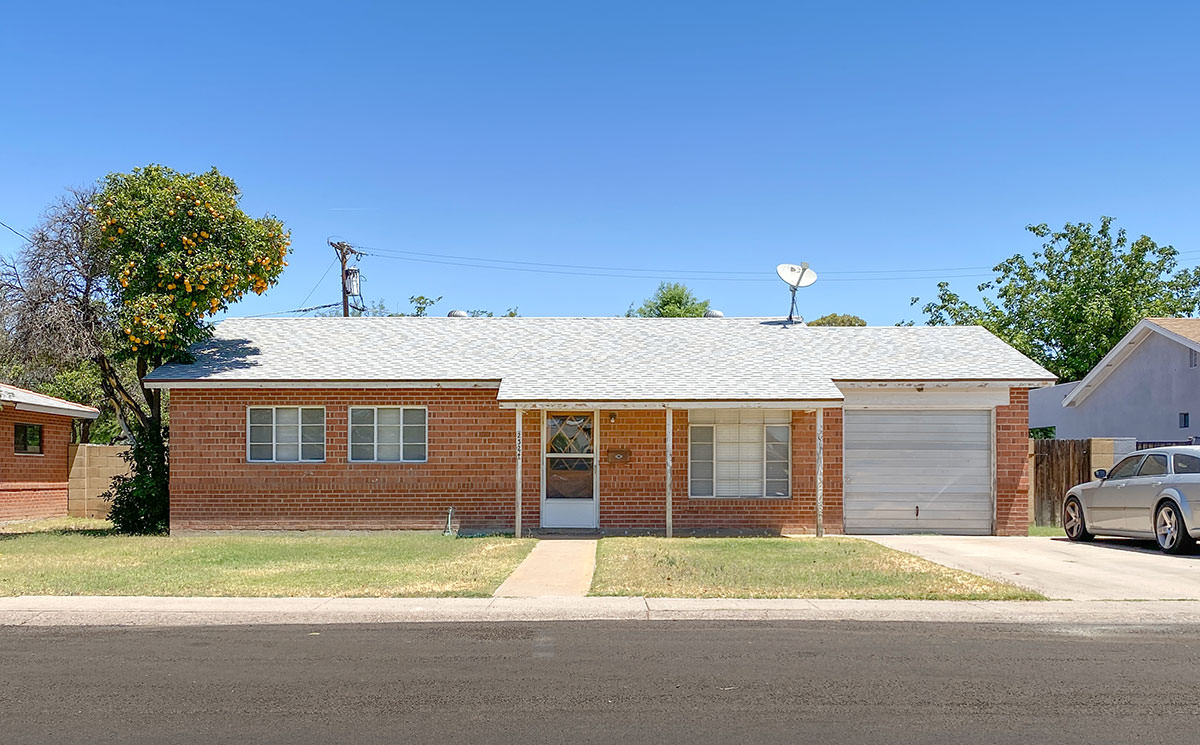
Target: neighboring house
[
  {"x": 747, "y": 424},
  {"x": 33, "y": 467},
  {"x": 1147, "y": 387}
]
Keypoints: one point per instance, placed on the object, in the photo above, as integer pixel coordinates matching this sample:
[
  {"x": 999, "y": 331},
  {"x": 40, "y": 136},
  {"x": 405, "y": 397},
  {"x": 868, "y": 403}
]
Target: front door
[{"x": 569, "y": 471}]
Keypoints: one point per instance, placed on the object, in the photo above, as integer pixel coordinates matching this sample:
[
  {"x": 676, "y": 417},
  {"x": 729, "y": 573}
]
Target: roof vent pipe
[
  {"x": 457, "y": 314},
  {"x": 713, "y": 314}
]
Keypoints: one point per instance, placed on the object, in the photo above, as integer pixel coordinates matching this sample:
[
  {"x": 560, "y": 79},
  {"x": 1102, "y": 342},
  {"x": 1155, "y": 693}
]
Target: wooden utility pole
[{"x": 344, "y": 250}]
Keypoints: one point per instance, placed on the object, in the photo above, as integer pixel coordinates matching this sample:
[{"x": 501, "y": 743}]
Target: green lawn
[
  {"x": 1054, "y": 531},
  {"x": 831, "y": 567},
  {"x": 37, "y": 559}
]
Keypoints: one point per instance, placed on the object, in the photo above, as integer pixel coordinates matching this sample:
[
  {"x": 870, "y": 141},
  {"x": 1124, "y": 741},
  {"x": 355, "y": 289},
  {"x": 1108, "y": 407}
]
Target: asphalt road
[{"x": 611, "y": 682}]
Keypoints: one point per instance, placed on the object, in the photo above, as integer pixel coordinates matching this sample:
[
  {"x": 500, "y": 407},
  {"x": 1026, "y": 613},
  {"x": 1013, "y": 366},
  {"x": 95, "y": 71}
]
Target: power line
[
  {"x": 27, "y": 238},
  {"x": 319, "y": 281},
  {"x": 673, "y": 275},
  {"x": 653, "y": 271},
  {"x": 316, "y": 307}
]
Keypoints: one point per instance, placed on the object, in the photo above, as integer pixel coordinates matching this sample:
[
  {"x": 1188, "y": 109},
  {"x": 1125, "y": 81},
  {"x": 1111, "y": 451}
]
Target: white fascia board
[
  {"x": 927, "y": 397},
  {"x": 681, "y": 404},
  {"x": 1139, "y": 333},
  {"x": 58, "y": 411},
  {"x": 845, "y": 385},
  {"x": 172, "y": 384}
]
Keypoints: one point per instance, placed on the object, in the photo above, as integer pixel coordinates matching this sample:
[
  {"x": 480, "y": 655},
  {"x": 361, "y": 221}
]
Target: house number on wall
[{"x": 519, "y": 438}]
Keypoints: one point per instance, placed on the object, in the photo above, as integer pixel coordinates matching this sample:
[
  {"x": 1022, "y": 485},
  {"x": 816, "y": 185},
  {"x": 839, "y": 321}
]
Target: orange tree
[{"x": 179, "y": 250}]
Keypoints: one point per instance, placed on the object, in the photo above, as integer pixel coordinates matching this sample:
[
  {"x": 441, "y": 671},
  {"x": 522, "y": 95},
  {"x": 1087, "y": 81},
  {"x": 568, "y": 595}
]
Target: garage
[{"x": 918, "y": 471}]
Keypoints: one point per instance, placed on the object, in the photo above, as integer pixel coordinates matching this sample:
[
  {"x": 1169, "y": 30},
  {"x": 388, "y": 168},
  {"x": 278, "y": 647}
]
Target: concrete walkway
[
  {"x": 556, "y": 567},
  {"x": 158, "y": 611},
  {"x": 1108, "y": 569}
]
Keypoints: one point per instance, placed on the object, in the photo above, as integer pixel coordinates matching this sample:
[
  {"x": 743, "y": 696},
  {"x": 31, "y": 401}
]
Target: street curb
[{"x": 191, "y": 611}]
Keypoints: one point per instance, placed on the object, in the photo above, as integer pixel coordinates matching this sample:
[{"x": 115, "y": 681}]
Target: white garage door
[{"x": 918, "y": 472}]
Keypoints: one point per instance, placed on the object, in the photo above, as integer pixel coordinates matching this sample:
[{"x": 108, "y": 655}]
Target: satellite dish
[{"x": 796, "y": 276}]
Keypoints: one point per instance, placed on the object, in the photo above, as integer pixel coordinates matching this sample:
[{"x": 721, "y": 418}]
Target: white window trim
[
  {"x": 375, "y": 436},
  {"x": 274, "y": 444},
  {"x": 763, "y": 463}
]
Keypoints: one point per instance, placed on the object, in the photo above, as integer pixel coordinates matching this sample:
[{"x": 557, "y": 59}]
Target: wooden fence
[
  {"x": 1057, "y": 466},
  {"x": 92, "y": 471}
]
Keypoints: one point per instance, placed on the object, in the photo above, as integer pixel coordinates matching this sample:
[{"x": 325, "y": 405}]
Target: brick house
[
  {"x": 34, "y": 469},
  {"x": 616, "y": 424}
]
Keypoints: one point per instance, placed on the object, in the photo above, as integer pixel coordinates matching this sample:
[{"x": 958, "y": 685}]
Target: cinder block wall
[
  {"x": 92, "y": 469},
  {"x": 33, "y": 486}
]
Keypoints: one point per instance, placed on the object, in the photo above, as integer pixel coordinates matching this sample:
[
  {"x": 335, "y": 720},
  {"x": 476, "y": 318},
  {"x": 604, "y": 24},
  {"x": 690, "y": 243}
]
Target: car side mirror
[{"x": 1101, "y": 474}]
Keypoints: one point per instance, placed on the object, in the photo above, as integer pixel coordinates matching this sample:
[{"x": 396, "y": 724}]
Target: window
[
  {"x": 27, "y": 439},
  {"x": 570, "y": 456},
  {"x": 739, "y": 453},
  {"x": 1155, "y": 465},
  {"x": 1185, "y": 420},
  {"x": 1186, "y": 463},
  {"x": 1125, "y": 468},
  {"x": 1193, "y": 358},
  {"x": 285, "y": 434},
  {"x": 391, "y": 434}
]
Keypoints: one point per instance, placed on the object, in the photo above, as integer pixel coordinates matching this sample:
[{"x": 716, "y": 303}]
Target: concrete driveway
[{"x": 1108, "y": 569}]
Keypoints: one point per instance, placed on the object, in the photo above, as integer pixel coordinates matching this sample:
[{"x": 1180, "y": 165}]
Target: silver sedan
[{"x": 1149, "y": 494}]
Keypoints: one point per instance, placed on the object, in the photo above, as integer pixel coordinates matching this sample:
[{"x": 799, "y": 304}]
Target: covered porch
[{"x": 677, "y": 467}]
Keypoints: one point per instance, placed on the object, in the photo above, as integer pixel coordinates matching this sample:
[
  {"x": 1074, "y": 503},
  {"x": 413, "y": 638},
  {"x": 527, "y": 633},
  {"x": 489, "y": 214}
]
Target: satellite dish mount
[{"x": 796, "y": 276}]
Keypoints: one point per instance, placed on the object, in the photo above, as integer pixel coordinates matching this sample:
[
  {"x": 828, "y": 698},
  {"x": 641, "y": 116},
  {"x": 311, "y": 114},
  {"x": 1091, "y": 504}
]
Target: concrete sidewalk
[
  {"x": 556, "y": 567},
  {"x": 158, "y": 611}
]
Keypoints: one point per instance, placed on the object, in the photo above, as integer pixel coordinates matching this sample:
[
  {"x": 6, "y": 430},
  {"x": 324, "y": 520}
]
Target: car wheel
[
  {"x": 1170, "y": 530},
  {"x": 1073, "y": 522}
]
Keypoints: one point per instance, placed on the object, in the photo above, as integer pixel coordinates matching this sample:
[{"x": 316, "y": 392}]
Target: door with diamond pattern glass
[{"x": 569, "y": 492}]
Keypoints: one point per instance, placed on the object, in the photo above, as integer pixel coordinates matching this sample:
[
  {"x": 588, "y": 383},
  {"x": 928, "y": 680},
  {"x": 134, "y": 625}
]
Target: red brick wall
[
  {"x": 33, "y": 486},
  {"x": 471, "y": 467},
  {"x": 1012, "y": 464}
]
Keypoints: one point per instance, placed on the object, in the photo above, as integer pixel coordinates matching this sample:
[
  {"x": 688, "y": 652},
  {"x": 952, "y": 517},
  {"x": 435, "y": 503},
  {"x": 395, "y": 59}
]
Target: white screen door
[{"x": 569, "y": 485}]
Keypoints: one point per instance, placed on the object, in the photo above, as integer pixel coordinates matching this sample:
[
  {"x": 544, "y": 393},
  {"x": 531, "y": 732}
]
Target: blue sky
[{"x": 693, "y": 138}]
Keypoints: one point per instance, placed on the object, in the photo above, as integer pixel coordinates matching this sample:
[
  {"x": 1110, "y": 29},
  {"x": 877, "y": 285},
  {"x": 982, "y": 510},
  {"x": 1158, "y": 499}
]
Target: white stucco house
[{"x": 1147, "y": 387}]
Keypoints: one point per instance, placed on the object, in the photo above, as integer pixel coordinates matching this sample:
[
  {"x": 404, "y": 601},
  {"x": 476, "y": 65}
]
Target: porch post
[
  {"x": 520, "y": 458},
  {"x": 670, "y": 449},
  {"x": 820, "y": 473}
]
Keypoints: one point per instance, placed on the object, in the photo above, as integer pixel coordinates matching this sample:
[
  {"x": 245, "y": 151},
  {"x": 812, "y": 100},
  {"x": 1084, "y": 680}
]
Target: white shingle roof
[
  {"x": 599, "y": 359},
  {"x": 24, "y": 400}
]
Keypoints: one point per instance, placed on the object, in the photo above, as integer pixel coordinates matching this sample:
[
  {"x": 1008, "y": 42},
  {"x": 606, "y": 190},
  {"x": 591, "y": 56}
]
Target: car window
[
  {"x": 1125, "y": 468},
  {"x": 1186, "y": 463},
  {"x": 1154, "y": 465}
]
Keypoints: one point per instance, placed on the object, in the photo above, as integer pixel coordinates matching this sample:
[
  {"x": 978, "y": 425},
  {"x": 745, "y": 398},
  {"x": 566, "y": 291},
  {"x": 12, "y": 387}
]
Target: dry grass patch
[
  {"x": 833, "y": 567},
  {"x": 358, "y": 565}
]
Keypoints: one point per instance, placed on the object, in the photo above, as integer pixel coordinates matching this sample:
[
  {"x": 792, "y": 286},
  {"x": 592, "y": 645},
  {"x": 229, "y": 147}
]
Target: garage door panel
[{"x": 897, "y": 461}]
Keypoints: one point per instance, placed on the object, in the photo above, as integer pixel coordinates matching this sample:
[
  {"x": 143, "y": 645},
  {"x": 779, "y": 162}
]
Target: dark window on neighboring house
[
  {"x": 27, "y": 439},
  {"x": 1185, "y": 420}
]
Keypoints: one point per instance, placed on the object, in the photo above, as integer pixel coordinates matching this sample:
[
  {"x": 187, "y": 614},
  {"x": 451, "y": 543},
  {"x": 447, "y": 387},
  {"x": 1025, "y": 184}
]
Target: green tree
[
  {"x": 179, "y": 249},
  {"x": 838, "y": 319},
  {"x": 670, "y": 300},
  {"x": 1074, "y": 299}
]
